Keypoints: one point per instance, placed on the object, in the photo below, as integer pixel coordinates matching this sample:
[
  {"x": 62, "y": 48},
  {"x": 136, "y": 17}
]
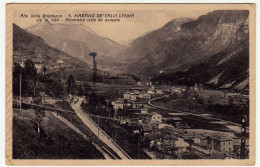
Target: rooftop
[
  {"x": 220, "y": 137},
  {"x": 146, "y": 127},
  {"x": 153, "y": 113}
]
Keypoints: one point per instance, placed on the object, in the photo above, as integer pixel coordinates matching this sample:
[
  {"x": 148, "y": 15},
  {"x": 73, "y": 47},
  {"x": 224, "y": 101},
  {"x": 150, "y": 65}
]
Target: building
[
  {"x": 150, "y": 92},
  {"x": 154, "y": 118},
  {"x": 145, "y": 129},
  {"x": 200, "y": 87},
  {"x": 162, "y": 125},
  {"x": 118, "y": 105},
  {"x": 220, "y": 143},
  {"x": 200, "y": 140},
  {"x": 133, "y": 96},
  {"x": 140, "y": 83},
  {"x": 196, "y": 88},
  {"x": 159, "y": 91},
  {"x": 181, "y": 145},
  {"x": 200, "y": 143},
  {"x": 144, "y": 111},
  {"x": 38, "y": 67},
  {"x": 60, "y": 61},
  {"x": 126, "y": 95}
]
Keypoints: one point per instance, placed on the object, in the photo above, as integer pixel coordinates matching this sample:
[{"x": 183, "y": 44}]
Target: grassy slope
[{"x": 57, "y": 142}]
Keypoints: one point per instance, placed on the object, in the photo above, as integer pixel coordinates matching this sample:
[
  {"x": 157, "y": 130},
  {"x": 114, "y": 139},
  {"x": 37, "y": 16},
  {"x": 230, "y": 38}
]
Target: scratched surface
[{"x": 10, "y": 15}]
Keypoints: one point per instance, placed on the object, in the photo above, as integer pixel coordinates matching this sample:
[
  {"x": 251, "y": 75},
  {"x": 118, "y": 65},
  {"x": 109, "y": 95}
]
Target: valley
[{"x": 178, "y": 92}]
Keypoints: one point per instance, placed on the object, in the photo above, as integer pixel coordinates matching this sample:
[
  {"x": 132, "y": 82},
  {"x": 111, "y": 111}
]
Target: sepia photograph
[{"x": 165, "y": 84}]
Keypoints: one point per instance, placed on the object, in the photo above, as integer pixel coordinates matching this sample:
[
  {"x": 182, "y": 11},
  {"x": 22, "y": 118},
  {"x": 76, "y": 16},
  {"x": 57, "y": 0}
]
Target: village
[
  {"x": 165, "y": 121},
  {"x": 168, "y": 134}
]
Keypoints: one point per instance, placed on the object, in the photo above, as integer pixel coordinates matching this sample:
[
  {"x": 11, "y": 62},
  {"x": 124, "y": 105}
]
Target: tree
[
  {"x": 93, "y": 99},
  {"x": 17, "y": 71},
  {"x": 44, "y": 69},
  {"x": 86, "y": 88},
  {"x": 29, "y": 69},
  {"x": 211, "y": 100},
  {"x": 231, "y": 101},
  {"x": 71, "y": 85},
  {"x": 200, "y": 100},
  {"x": 29, "y": 75}
]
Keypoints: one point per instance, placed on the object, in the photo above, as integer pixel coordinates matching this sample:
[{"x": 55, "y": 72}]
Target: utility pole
[
  {"x": 62, "y": 84},
  {"x": 70, "y": 86},
  {"x": 243, "y": 139},
  {"x": 44, "y": 73},
  {"x": 22, "y": 65},
  {"x": 138, "y": 147},
  {"x": 20, "y": 91},
  {"x": 98, "y": 127}
]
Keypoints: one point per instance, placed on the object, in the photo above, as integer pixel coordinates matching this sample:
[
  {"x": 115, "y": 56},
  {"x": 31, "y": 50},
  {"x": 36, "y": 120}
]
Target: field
[
  {"x": 112, "y": 91},
  {"x": 77, "y": 122},
  {"x": 55, "y": 141},
  {"x": 224, "y": 105},
  {"x": 194, "y": 122}
]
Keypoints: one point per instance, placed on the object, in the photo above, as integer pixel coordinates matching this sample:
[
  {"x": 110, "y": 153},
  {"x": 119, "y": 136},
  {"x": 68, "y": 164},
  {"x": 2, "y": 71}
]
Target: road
[
  {"x": 107, "y": 154},
  {"x": 97, "y": 130},
  {"x": 189, "y": 113}
]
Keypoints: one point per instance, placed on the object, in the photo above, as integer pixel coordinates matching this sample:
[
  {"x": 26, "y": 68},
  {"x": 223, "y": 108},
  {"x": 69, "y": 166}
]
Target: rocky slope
[
  {"x": 212, "y": 49},
  {"x": 79, "y": 41},
  {"x": 28, "y": 46},
  {"x": 225, "y": 60}
]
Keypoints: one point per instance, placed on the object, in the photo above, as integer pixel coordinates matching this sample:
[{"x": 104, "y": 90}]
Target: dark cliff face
[
  {"x": 187, "y": 41},
  {"x": 224, "y": 58},
  {"x": 214, "y": 43}
]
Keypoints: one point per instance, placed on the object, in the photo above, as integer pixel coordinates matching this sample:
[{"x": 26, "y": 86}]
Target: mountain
[
  {"x": 185, "y": 41},
  {"x": 212, "y": 49},
  {"x": 79, "y": 41},
  {"x": 28, "y": 46}
]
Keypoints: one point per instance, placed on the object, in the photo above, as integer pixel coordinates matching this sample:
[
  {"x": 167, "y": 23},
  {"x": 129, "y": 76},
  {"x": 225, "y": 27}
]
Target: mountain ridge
[
  {"x": 28, "y": 46},
  {"x": 179, "y": 45},
  {"x": 78, "y": 41}
]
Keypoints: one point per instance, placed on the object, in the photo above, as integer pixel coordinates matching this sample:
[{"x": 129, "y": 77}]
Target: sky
[{"x": 125, "y": 30}]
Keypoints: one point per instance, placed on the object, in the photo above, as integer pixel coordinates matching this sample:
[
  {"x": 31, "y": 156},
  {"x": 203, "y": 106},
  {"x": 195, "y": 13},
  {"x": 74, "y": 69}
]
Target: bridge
[{"x": 46, "y": 107}]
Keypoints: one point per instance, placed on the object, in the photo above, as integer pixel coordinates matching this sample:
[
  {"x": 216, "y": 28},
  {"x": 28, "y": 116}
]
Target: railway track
[{"x": 190, "y": 112}]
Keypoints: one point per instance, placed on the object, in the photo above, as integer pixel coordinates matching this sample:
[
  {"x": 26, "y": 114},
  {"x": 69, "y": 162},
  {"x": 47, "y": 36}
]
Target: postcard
[{"x": 130, "y": 84}]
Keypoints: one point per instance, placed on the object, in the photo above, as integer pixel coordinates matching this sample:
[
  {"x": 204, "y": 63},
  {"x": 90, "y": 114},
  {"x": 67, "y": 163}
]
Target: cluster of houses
[
  {"x": 132, "y": 100},
  {"x": 169, "y": 138},
  {"x": 171, "y": 135}
]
